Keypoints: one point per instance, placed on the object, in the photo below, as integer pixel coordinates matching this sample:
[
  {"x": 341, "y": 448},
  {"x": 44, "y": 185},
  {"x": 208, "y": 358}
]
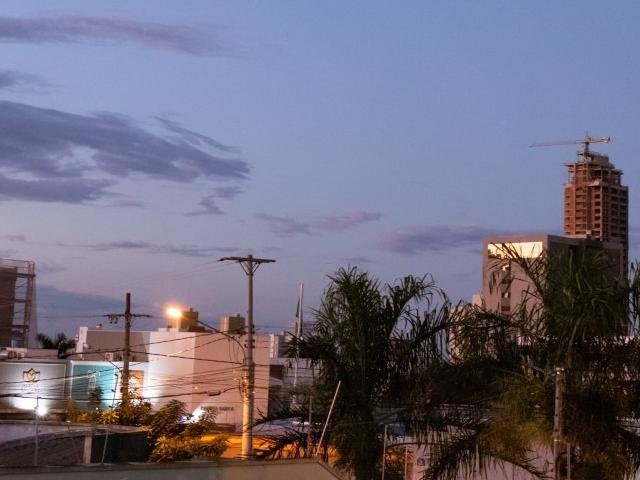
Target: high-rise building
[
  {"x": 596, "y": 204},
  {"x": 505, "y": 285}
]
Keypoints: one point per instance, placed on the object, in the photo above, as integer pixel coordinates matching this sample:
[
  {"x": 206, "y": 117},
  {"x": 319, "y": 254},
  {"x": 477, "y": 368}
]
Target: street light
[
  {"x": 39, "y": 411},
  {"x": 176, "y": 313},
  {"x": 173, "y": 312}
]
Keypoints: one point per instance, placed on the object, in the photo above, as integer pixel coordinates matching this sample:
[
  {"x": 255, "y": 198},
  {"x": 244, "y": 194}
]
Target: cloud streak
[
  {"x": 358, "y": 260},
  {"x": 419, "y": 239},
  {"x": 53, "y": 190},
  {"x": 16, "y": 238},
  {"x": 283, "y": 226},
  {"x": 346, "y": 221},
  {"x": 209, "y": 204},
  {"x": 44, "y": 267},
  {"x": 188, "y": 39},
  {"x": 148, "y": 247},
  {"x": 126, "y": 203},
  {"x": 54, "y": 155},
  {"x": 14, "y": 80}
]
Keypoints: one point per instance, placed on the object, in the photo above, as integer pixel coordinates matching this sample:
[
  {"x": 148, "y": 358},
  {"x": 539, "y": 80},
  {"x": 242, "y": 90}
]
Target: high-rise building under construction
[
  {"x": 596, "y": 204},
  {"x": 18, "y": 326}
]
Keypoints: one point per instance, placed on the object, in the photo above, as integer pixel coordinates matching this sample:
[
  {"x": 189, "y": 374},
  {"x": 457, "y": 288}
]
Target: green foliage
[
  {"x": 71, "y": 411},
  {"x": 93, "y": 414},
  {"x": 478, "y": 386},
  {"x": 205, "y": 423},
  {"x": 576, "y": 314},
  {"x": 173, "y": 440},
  {"x": 171, "y": 436},
  {"x": 168, "y": 420},
  {"x": 59, "y": 342},
  {"x": 370, "y": 338},
  {"x": 172, "y": 449},
  {"x": 95, "y": 398},
  {"x": 137, "y": 411},
  {"x": 109, "y": 416}
]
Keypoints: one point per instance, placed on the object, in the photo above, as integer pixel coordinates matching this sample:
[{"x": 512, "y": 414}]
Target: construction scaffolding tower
[
  {"x": 17, "y": 306},
  {"x": 596, "y": 204}
]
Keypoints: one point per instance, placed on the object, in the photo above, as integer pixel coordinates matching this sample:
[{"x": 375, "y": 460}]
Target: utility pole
[
  {"x": 249, "y": 264},
  {"x": 309, "y": 431},
  {"x": 384, "y": 449},
  {"x": 558, "y": 422},
  {"x": 128, "y": 316}
]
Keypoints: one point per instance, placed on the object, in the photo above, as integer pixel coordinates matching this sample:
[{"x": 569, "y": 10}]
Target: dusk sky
[{"x": 142, "y": 141}]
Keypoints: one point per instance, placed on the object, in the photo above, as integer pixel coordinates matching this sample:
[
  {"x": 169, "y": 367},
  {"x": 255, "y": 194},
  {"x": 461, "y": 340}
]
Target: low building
[
  {"x": 201, "y": 369},
  {"x": 504, "y": 284}
]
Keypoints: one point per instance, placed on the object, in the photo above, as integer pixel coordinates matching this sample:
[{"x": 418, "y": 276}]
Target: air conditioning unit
[{"x": 108, "y": 356}]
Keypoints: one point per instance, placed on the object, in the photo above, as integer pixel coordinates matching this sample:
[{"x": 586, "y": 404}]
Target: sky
[{"x": 142, "y": 141}]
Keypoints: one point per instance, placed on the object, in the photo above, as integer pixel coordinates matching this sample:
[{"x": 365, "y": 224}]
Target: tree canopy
[
  {"x": 60, "y": 342},
  {"x": 368, "y": 338},
  {"x": 476, "y": 387}
]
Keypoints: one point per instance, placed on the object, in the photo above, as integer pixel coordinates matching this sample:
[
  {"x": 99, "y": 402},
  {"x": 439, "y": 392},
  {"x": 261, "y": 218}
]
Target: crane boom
[{"x": 586, "y": 141}]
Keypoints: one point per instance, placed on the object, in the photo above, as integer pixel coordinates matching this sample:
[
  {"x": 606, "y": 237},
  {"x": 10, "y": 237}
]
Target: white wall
[
  {"x": 198, "y": 368},
  {"x": 302, "y": 469}
]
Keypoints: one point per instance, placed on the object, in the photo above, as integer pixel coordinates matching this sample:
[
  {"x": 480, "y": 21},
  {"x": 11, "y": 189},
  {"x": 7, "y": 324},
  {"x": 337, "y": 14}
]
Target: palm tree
[
  {"x": 577, "y": 316},
  {"x": 366, "y": 336},
  {"x": 60, "y": 342}
]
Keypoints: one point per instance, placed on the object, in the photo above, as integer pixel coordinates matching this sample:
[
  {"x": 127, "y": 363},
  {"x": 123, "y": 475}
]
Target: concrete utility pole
[
  {"x": 128, "y": 316},
  {"x": 558, "y": 422},
  {"x": 309, "y": 431},
  {"x": 249, "y": 264}
]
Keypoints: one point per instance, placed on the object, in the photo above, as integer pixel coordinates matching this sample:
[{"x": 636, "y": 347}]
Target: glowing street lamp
[{"x": 175, "y": 314}]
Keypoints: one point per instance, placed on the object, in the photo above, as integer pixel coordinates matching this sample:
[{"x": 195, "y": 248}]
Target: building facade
[
  {"x": 201, "y": 369},
  {"x": 505, "y": 286},
  {"x": 596, "y": 204}
]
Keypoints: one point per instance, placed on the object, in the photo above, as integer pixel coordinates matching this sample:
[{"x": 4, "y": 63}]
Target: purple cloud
[
  {"x": 209, "y": 204},
  {"x": 343, "y": 222},
  {"x": 44, "y": 267},
  {"x": 126, "y": 203},
  {"x": 181, "y": 250},
  {"x": 67, "y": 29},
  {"x": 49, "y": 148},
  {"x": 75, "y": 190},
  {"x": 283, "y": 226},
  {"x": 418, "y": 239},
  {"x": 358, "y": 260},
  {"x": 209, "y": 207},
  {"x": 65, "y": 311},
  {"x": 229, "y": 191},
  {"x": 16, "y": 238},
  {"x": 194, "y": 138},
  {"x": 13, "y": 80}
]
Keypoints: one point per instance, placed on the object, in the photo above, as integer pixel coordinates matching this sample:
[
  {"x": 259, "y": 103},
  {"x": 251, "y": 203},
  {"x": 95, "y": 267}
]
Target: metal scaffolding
[{"x": 17, "y": 306}]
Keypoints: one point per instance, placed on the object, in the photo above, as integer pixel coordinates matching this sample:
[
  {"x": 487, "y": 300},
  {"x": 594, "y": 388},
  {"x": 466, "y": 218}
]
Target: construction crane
[{"x": 586, "y": 141}]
